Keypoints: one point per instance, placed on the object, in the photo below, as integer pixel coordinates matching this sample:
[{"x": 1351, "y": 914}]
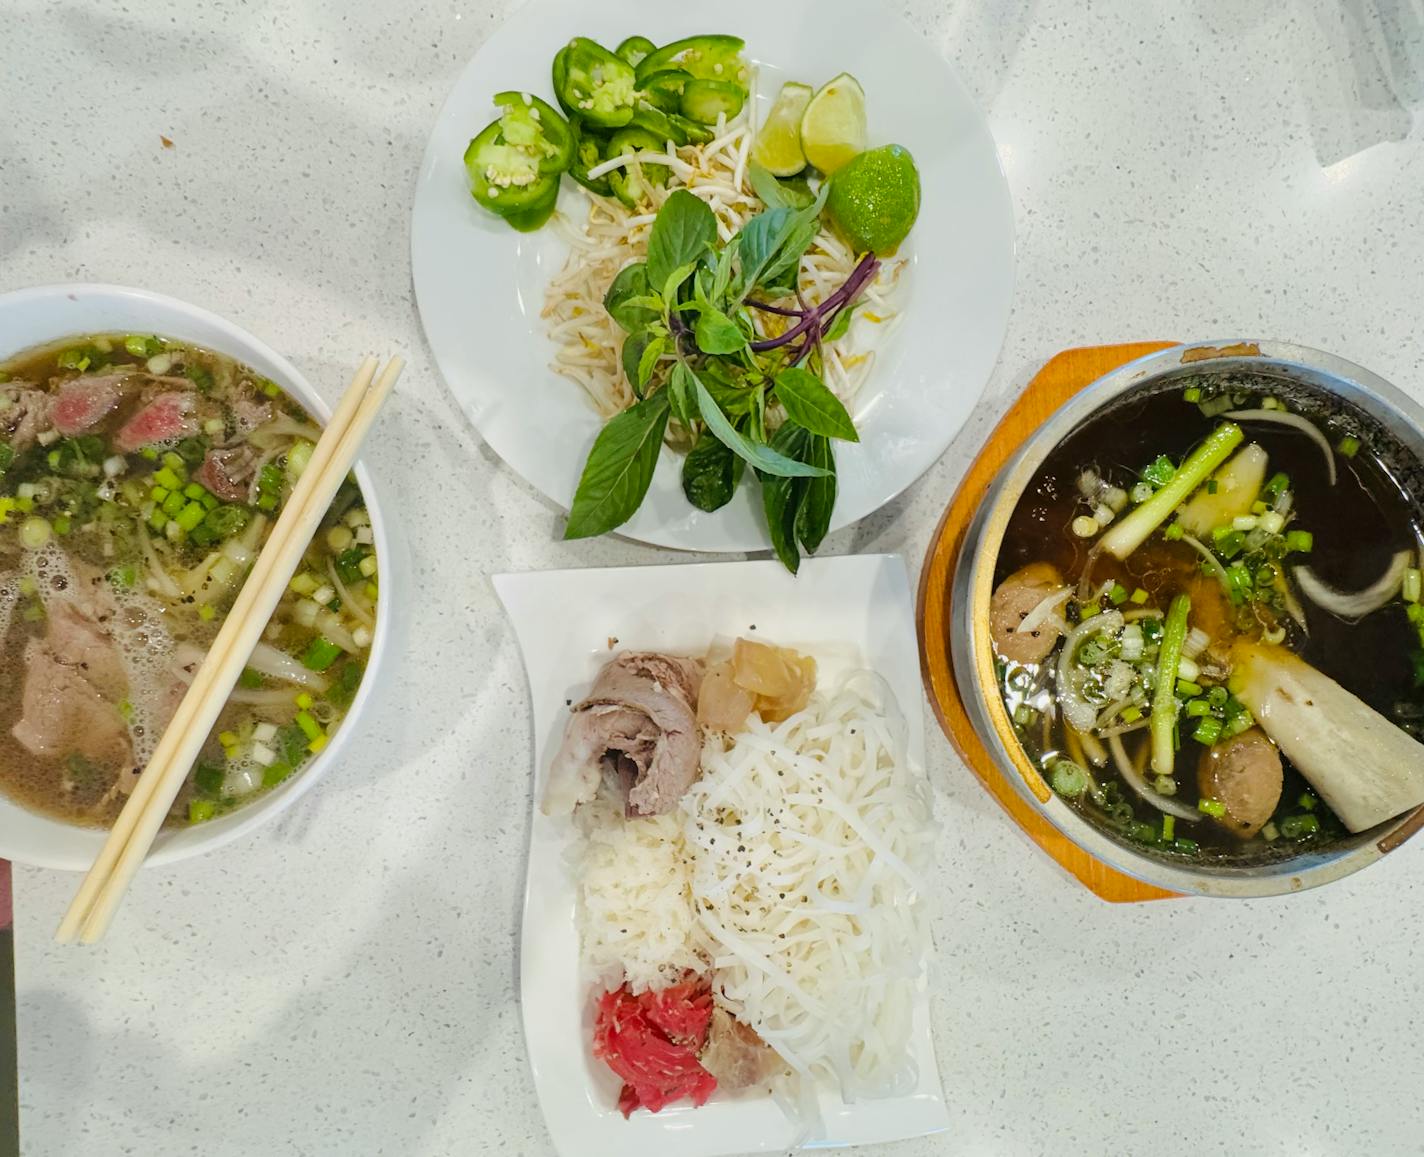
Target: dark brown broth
[{"x": 1357, "y": 525}]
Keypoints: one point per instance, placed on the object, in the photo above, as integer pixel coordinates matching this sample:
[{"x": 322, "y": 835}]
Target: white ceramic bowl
[{"x": 31, "y": 317}]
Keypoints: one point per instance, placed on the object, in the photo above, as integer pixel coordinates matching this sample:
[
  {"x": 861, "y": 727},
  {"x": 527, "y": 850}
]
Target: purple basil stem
[{"x": 814, "y": 320}]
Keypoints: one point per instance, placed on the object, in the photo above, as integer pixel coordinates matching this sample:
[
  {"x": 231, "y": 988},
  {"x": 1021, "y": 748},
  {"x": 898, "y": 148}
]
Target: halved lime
[
  {"x": 833, "y": 125},
  {"x": 875, "y": 199},
  {"x": 778, "y": 145}
]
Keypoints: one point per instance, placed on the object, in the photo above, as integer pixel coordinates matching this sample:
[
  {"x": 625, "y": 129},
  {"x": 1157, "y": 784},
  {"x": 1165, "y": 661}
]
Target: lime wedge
[
  {"x": 875, "y": 199},
  {"x": 833, "y": 125},
  {"x": 778, "y": 145}
]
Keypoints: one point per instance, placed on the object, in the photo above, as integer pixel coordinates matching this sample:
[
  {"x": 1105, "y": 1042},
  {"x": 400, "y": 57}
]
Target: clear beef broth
[
  {"x": 1357, "y": 525},
  {"x": 139, "y": 477}
]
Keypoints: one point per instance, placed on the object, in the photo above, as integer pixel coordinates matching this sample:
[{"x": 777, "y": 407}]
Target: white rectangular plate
[{"x": 856, "y": 610}]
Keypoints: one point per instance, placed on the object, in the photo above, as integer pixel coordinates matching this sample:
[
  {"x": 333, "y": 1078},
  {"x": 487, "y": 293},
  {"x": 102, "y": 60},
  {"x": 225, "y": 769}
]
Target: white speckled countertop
[{"x": 343, "y": 982}]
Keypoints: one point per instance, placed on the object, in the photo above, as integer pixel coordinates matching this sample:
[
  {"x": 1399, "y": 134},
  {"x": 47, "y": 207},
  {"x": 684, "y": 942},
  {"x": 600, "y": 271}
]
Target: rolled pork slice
[{"x": 638, "y": 730}]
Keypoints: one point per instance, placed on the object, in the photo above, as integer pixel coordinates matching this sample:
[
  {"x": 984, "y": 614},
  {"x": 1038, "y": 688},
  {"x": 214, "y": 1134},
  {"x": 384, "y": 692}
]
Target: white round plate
[{"x": 480, "y": 285}]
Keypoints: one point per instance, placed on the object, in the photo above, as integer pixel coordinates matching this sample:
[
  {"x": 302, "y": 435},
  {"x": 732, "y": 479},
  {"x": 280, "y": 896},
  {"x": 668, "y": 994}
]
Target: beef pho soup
[
  {"x": 1207, "y": 621},
  {"x": 139, "y": 478}
]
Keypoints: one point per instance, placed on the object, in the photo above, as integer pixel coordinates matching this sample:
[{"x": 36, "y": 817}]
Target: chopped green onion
[
  {"x": 275, "y": 772},
  {"x": 1173, "y": 532},
  {"x": 1212, "y": 807},
  {"x": 1197, "y": 708},
  {"x": 189, "y": 516},
  {"x": 1270, "y": 832},
  {"x": 1139, "y": 596},
  {"x": 1299, "y": 541},
  {"x": 1131, "y": 714},
  {"x": 1307, "y": 801},
  {"x": 1192, "y": 394},
  {"x": 1187, "y": 689},
  {"x": 1118, "y": 595},
  {"x": 1208, "y": 731},
  {"x": 310, "y": 727},
  {"x": 320, "y": 655},
  {"x": 1169, "y": 828},
  {"x": 1349, "y": 446},
  {"x": 1186, "y": 846},
  {"x": 1068, "y": 779},
  {"x": 1297, "y": 827},
  {"x": 249, "y": 679},
  {"x": 1160, "y": 472},
  {"x": 200, "y": 810}
]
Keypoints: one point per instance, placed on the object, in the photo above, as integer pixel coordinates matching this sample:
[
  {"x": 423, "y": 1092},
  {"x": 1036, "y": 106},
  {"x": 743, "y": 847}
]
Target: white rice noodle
[
  {"x": 809, "y": 844},
  {"x": 587, "y": 341},
  {"x": 635, "y": 912}
]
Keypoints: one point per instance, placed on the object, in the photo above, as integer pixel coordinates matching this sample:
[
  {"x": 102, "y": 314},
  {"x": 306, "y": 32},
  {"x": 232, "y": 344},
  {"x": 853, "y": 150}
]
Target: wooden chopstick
[{"x": 138, "y": 823}]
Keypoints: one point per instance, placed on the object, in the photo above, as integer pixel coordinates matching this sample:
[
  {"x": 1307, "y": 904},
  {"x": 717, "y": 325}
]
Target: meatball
[
  {"x": 1244, "y": 773},
  {"x": 1017, "y": 595}
]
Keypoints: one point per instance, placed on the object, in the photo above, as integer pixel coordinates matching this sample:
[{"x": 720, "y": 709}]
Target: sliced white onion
[
  {"x": 1354, "y": 605},
  {"x": 1295, "y": 422},
  {"x": 1135, "y": 781},
  {"x": 268, "y": 660},
  {"x": 1197, "y": 641},
  {"x": 1036, "y": 617},
  {"x": 1077, "y": 710}
]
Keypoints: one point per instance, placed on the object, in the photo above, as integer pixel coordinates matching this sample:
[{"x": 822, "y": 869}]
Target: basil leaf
[
  {"x": 674, "y": 282},
  {"x": 809, "y": 402},
  {"x": 634, "y": 346},
  {"x": 716, "y": 333},
  {"x": 776, "y": 194},
  {"x": 805, "y": 225},
  {"x": 757, "y": 245},
  {"x": 627, "y": 298},
  {"x": 813, "y": 518},
  {"x": 734, "y": 398},
  {"x": 781, "y": 499},
  {"x": 710, "y": 474},
  {"x": 763, "y": 457},
  {"x": 683, "y": 394},
  {"x": 722, "y": 276},
  {"x": 619, "y": 468},
  {"x": 683, "y": 230},
  {"x": 841, "y": 326},
  {"x": 648, "y": 359}
]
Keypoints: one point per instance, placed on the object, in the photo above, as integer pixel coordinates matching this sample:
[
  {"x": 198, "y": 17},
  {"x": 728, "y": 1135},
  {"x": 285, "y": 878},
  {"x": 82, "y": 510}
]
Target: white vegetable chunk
[
  {"x": 1363, "y": 766},
  {"x": 1237, "y": 485}
]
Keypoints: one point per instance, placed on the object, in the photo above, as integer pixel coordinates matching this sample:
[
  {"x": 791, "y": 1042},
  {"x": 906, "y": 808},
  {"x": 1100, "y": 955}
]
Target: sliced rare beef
[
  {"x": 637, "y": 728},
  {"x": 656, "y": 1069},
  {"x": 82, "y": 403},
  {"x": 159, "y": 421}
]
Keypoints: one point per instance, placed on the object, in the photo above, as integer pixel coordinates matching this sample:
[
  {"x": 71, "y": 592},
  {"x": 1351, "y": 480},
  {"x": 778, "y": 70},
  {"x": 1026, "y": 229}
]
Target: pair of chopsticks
[{"x": 99, "y": 896}]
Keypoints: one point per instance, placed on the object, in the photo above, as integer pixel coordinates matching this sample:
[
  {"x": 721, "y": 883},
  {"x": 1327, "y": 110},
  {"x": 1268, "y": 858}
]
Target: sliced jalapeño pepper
[
  {"x": 531, "y": 124},
  {"x": 664, "y": 89},
  {"x": 706, "y": 57},
  {"x": 595, "y": 84},
  {"x": 505, "y": 178},
  {"x": 704, "y": 100},
  {"x": 534, "y": 217},
  {"x": 588, "y": 151},
  {"x": 630, "y": 184},
  {"x": 635, "y": 49}
]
